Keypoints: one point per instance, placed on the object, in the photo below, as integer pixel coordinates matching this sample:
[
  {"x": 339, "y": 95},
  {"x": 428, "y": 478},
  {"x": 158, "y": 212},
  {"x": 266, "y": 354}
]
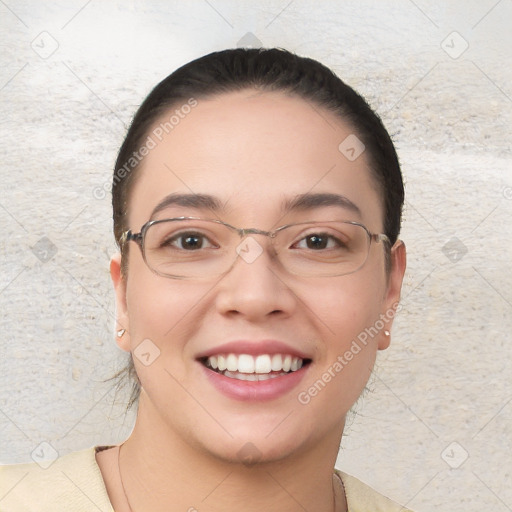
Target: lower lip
[{"x": 245, "y": 390}]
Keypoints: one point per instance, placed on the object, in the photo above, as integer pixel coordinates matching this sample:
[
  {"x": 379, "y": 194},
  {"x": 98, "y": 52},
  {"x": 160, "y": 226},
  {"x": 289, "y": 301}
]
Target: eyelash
[{"x": 337, "y": 241}]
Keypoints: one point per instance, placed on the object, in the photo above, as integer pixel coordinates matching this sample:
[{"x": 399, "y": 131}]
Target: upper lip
[{"x": 253, "y": 348}]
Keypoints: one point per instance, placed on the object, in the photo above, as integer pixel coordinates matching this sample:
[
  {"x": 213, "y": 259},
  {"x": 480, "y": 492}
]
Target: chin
[
  {"x": 252, "y": 453},
  {"x": 256, "y": 444}
]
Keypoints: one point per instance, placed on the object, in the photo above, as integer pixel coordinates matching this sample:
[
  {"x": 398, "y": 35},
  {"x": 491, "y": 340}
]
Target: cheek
[
  {"x": 167, "y": 313},
  {"x": 349, "y": 304},
  {"x": 345, "y": 311},
  {"x": 156, "y": 304},
  {"x": 350, "y": 350}
]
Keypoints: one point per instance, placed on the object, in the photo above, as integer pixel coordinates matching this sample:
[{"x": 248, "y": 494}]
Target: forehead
[{"x": 254, "y": 151}]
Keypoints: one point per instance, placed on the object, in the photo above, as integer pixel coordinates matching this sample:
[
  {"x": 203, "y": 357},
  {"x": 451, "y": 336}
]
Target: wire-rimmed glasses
[{"x": 190, "y": 247}]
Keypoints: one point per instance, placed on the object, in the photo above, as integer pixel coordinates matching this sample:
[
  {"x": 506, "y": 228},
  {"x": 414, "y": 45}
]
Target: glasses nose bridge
[{"x": 243, "y": 232}]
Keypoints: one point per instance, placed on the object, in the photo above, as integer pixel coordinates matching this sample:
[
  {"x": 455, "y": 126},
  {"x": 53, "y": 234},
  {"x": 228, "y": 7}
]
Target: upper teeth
[{"x": 264, "y": 363}]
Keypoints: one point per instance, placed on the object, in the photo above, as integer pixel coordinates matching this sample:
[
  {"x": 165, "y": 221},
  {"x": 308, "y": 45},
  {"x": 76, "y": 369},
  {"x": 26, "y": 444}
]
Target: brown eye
[
  {"x": 318, "y": 241},
  {"x": 188, "y": 241}
]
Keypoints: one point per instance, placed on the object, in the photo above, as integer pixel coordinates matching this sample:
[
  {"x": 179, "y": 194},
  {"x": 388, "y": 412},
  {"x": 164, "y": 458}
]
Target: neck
[{"x": 161, "y": 472}]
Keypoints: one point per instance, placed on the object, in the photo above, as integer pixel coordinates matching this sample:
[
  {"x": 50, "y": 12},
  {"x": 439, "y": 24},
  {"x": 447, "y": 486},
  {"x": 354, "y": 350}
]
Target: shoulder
[
  {"x": 72, "y": 482},
  {"x": 362, "y": 498}
]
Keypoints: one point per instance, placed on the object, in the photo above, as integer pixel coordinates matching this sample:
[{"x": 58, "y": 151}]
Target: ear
[
  {"x": 392, "y": 297},
  {"x": 122, "y": 319}
]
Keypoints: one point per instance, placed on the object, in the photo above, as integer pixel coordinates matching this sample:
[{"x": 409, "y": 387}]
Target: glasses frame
[{"x": 139, "y": 238}]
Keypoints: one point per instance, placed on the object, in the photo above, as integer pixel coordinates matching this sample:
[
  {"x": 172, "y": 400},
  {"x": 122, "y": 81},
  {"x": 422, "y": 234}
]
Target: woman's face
[{"x": 254, "y": 153}]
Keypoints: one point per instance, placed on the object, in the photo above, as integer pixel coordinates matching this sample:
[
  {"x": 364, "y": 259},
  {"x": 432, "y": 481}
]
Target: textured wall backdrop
[{"x": 436, "y": 430}]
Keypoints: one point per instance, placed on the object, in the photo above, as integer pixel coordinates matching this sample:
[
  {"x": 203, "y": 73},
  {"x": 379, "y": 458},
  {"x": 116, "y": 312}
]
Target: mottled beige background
[{"x": 435, "y": 432}]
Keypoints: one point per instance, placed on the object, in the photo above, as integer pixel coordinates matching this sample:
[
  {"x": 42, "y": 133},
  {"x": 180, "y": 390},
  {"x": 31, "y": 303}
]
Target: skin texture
[{"x": 252, "y": 151}]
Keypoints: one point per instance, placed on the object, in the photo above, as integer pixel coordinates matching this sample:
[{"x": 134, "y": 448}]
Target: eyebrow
[
  {"x": 197, "y": 201},
  {"x": 301, "y": 202},
  {"x": 310, "y": 201}
]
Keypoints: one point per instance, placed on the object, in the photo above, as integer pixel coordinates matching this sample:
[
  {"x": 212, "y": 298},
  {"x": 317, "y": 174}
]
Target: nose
[{"x": 255, "y": 288}]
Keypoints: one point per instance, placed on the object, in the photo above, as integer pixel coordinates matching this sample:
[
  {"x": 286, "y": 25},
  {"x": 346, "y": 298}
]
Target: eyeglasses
[{"x": 189, "y": 247}]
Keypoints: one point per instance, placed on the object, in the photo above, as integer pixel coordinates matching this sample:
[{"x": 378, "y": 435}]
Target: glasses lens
[
  {"x": 188, "y": 248},
  {"x": 184, "y": 248},
  {"x": 323, "y": 248}
]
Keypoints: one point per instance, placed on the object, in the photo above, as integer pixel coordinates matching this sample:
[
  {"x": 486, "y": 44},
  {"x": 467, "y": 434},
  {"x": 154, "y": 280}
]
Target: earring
[
  {"x": 120, "y": 333},
  {"x": 386, "y": 333}
]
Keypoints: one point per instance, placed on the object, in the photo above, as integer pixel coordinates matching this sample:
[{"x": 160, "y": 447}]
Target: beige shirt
[{"x": 73, "y": 483}]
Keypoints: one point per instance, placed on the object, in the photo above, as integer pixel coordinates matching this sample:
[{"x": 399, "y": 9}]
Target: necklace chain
[{"x": 121, "y": 477}]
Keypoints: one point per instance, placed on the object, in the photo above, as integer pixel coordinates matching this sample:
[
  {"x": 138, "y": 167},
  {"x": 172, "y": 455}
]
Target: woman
[{"x": 257, "y": 205}]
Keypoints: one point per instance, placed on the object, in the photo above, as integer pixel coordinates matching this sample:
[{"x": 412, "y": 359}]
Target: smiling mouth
[{"x": 254, "y": 368}]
